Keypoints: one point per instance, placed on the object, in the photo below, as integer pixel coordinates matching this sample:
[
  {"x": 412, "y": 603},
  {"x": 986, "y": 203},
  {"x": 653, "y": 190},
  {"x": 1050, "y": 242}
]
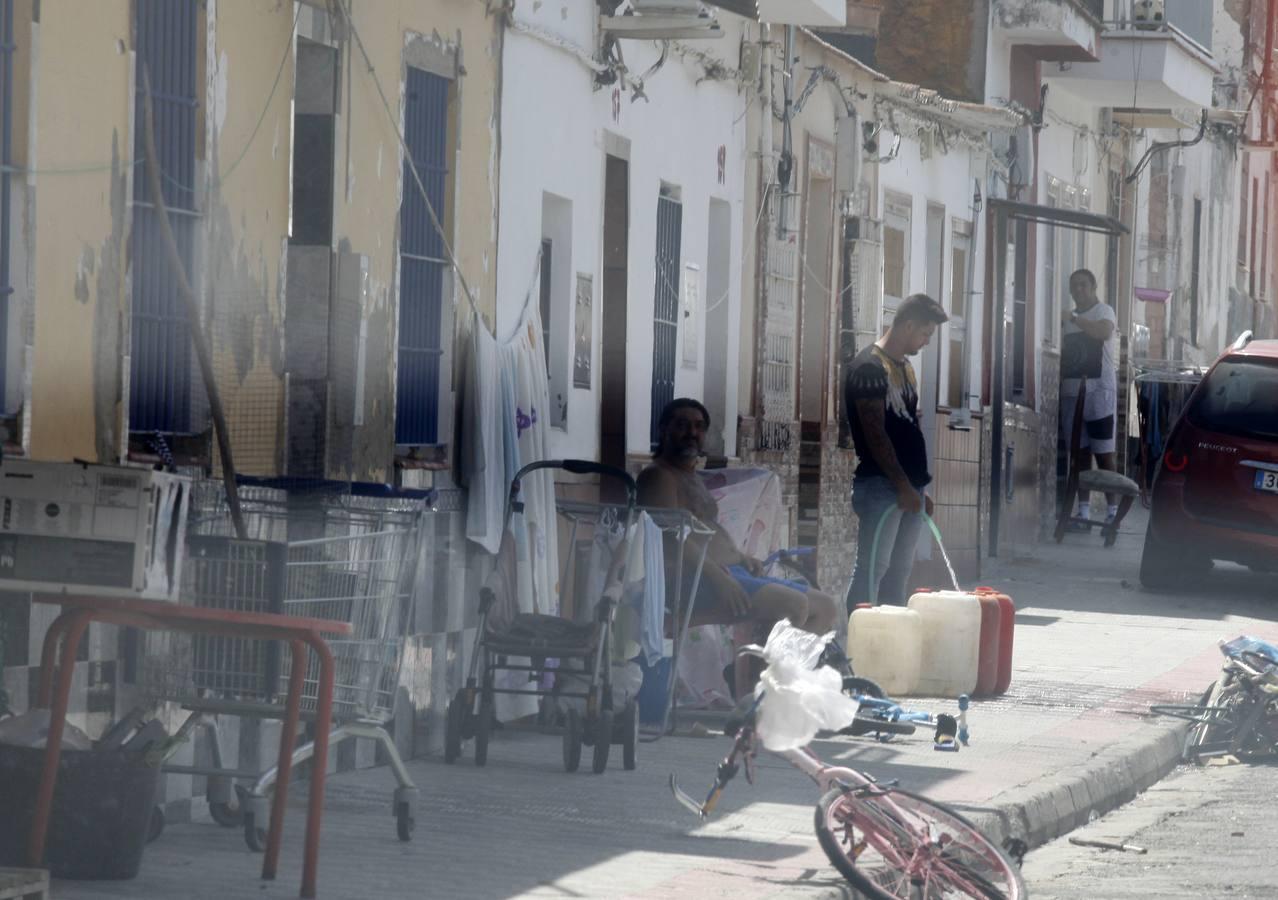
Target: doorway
[
  {"x": 814, "y": 337},
  {"x": 616, "y": 274}
]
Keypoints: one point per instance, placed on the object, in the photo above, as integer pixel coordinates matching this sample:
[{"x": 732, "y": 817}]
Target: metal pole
[
  {"x": 998, "y": 335},
  {"x": 7, "y": 46}
]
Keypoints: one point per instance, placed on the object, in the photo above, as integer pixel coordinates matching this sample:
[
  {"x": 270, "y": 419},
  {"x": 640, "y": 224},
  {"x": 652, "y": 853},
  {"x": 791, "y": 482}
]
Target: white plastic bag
[{"x": 799, "y": 700}]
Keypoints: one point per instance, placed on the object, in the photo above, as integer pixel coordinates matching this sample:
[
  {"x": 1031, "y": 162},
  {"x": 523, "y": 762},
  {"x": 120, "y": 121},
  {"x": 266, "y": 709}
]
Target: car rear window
[{"x": 1240, "y": 397}]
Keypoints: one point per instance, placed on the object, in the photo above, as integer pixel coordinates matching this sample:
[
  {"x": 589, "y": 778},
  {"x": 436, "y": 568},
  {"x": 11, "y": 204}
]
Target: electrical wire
[
  {"x": 408, "y": 157},
  {"x": 92, "y": 168}
]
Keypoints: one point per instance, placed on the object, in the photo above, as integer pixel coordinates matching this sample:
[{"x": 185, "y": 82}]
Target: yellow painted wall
[
  {"x": 370, "y": 179},
  {"x": 371, "y": 208},
  {"x": 84, "y": 118},
  {"x": 83, "y": 101},
  {"x": 246, "y": 218}
]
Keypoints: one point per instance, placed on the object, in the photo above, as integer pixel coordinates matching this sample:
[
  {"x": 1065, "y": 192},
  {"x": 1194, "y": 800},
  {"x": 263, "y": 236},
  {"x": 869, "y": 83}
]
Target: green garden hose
[{"x": 874, "y": 550}]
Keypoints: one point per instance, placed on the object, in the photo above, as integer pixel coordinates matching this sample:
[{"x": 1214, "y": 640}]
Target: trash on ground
[
  {"x": 1107, "y": 845},
  {"x": 31, "y": 729}
]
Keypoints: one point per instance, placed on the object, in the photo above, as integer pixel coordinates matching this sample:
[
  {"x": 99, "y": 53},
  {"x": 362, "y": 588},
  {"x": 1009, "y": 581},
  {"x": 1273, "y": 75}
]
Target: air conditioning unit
[
  {"x": 847, "y": 155},
  {"x": 1149, "y": 13},
  {"x": 812, "y": 13},
  {"x": 666, "y": 7},
  {"x": 96, "y": 530},
  {"x": 654, "y": 20}
]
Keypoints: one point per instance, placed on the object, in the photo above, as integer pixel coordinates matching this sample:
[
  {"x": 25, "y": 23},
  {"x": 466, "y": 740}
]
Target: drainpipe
[
  {"x": 1266, "y": 68},
  {"x": 761, "y": 237},
  {"x": 785, "y": 166},
  {"x": 998, "y": 334}
]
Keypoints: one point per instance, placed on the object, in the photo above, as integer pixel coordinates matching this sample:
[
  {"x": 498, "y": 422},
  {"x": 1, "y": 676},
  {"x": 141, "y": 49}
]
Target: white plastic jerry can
[
  {"x": 885, "y": 644},
  {"x": 951, "y": 642}
]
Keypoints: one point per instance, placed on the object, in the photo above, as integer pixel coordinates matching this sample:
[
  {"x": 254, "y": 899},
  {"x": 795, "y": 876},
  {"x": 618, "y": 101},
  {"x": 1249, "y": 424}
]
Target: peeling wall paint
[
  {"x": 86, "y": 118},
  {"x": 82, "y": 103},
  {"x": 245, "y": 212}
]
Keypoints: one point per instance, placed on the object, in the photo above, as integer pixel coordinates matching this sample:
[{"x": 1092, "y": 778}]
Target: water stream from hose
[{"x": 874, "y": 552}]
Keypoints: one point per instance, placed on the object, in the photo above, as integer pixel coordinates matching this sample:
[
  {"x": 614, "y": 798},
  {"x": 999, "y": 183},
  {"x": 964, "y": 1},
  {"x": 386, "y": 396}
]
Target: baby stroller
[{"x": 577, "y": 653}]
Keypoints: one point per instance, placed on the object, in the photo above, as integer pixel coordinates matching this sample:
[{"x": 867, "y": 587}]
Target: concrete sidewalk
[{"x": 1072, "y": 738}]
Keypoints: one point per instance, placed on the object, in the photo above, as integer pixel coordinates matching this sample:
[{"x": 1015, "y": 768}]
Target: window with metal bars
[
  {"x": 423, "y": 265},
  {"x": 545, "y": 294},
  {"x": 161, "y": 375},
  {"x": 1020, "y": 310},
  {"x": 7, "y": 47},
  {"x": 665, "y": 307}
]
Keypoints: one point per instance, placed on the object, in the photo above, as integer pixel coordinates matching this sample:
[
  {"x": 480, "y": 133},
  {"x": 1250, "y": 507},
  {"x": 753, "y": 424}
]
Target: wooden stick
[
  {"x": 192, "y": 313},
  {"x": 1106, "y": 845}
]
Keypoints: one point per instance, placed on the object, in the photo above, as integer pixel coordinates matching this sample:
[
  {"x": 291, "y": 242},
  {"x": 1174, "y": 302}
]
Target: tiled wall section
[
  {"x": 1049, "y": 410},
  {"x": 837, "y": 549},
  {"x": 956, "y": 493}
]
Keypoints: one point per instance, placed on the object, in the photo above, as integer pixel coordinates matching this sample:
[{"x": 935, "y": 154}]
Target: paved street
[
  {"x": 1208, "y": 833},
  {"x": 1073, "y": 736}
]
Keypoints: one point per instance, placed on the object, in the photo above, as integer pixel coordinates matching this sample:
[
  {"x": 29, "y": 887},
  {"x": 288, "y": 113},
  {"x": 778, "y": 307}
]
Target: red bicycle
[{"x": 891, "y": 844}]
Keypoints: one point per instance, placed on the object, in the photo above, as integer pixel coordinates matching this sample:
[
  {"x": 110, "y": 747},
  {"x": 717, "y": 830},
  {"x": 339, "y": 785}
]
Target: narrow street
[
  {"x": 381, "y": 379},
  {"x": 1092, "y": 655},
  {"x": 1208, "y": 833}
]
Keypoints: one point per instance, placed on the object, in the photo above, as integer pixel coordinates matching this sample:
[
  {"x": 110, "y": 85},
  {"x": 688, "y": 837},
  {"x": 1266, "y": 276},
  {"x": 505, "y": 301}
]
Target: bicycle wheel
[
  {"x": 1198, "y": 731},
  {"x": 896, "y": 845},
  {"x": 1219, "y": 732}
]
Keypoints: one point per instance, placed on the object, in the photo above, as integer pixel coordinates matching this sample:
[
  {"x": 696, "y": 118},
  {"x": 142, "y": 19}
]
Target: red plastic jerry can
[
  {"x": 1007, "y": 632},
  {"x": 991, "y": 631}
]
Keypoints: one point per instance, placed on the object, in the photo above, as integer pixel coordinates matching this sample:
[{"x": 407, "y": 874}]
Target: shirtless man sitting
[{"x": 732, "y": 584}]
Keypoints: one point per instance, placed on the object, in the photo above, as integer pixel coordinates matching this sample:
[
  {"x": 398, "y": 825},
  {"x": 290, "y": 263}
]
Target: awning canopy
[{"x": 1075, "y": 219}]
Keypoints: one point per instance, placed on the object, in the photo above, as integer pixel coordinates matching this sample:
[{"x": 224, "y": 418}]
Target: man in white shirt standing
[{"x": 1095, "y": 329}]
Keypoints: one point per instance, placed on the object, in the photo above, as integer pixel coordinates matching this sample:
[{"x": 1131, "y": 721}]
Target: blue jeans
[{"x": 898, "y": 543}]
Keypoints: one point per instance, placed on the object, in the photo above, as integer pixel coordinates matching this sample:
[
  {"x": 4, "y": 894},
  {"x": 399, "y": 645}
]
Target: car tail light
[{"x": 1175, "y": 462}]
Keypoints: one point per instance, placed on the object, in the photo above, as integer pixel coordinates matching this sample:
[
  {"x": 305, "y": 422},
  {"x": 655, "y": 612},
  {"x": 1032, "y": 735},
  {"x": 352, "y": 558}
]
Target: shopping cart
[{"x": 340, "y": 552}]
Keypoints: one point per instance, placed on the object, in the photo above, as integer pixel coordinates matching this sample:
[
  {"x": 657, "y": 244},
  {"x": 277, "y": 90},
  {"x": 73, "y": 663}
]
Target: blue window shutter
[
  {"x": 665, "y": 314},
  {"x": 161, "y": 376},
  {"x": 423, "y": 264}
]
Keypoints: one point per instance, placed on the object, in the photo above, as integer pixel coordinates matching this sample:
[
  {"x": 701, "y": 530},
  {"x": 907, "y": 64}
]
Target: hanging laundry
[
  {"x": 532, "y": 426},
  {"x": 481, "y": 453},
  {"x": 524, "y": 398},
  {"x": 653, "y": 610}
]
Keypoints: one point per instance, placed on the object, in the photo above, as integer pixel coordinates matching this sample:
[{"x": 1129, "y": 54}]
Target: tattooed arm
[{"x": 871, "y": 412}]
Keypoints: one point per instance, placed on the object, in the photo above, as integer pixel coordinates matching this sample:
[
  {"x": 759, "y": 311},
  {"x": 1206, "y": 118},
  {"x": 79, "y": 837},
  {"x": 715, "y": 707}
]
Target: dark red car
[{"x": 1215, "y": 494}]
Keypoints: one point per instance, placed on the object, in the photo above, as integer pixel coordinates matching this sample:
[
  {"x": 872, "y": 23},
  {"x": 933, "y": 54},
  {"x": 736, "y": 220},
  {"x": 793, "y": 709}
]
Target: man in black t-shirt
[{"x": 881, "y": 401}]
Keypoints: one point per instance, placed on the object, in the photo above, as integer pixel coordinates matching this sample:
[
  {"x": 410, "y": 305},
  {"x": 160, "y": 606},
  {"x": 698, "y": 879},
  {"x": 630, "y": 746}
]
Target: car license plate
[{"x": 1267, "y": 481}]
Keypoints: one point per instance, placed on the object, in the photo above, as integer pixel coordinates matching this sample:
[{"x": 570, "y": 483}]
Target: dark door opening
[
  {"x": 616, "y": 239},
  {"x": 814, "y": 338}
]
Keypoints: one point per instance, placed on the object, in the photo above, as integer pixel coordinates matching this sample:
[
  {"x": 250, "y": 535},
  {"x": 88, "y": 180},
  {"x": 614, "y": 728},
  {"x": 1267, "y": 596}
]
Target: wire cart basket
[{"x": 334, "y": 554}]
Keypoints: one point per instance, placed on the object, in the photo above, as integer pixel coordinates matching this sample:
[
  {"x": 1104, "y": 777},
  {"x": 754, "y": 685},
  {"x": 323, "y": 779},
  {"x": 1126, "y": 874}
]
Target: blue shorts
[{"x": 752, "y": 584}]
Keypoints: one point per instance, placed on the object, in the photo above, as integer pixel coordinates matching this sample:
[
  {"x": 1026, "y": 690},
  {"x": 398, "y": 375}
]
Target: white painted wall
[
  {"x": 1211, "y": 173},
  {"x": 555, "y": 127},
  {"x": 948, "y": 180},
  {"x": 1073, "y": 149}
]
